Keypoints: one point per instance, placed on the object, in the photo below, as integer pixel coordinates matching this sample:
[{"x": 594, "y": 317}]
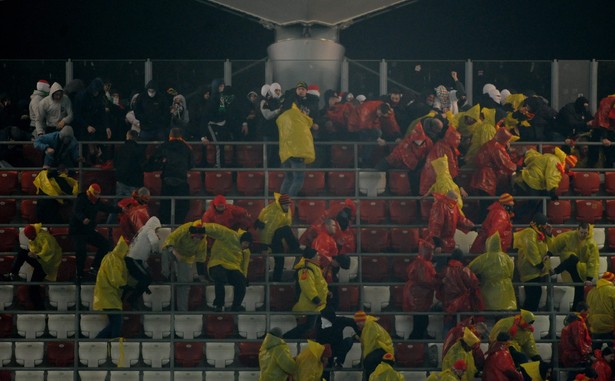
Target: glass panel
[
  {"x": 247, "y": 76},
  {"x": 18, "y": 78},
  {"x": 573, "y": 81},
  {"x": 187, "y": 76},
  {"x": 517, "y": 76},
  {"x": 127, "y": 77},
  {"x": 606, "y": 78},
  {"x": 418, "y": 76},
  {"x": 364, "y": 78}
]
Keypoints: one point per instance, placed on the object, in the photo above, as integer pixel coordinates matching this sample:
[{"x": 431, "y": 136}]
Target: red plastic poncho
[
  {"x": 497, "y": 220},
  {"x": 605, "y": 115},
  {"x": 499, "y": 364},
  {"x": 310, "y": 234},
  {"x": 575, "y": 345},
  {"x": 455, "y": 333},
  {"x": 602, "y": 367},
  {"x": 338, "y": 114},
  {"x": 447, "y": 146},
  {"x": 494, "y": 168},
  {"x": 422, "y": 282},
  {"x": 133, "y": 218},
  {"x": 364, "y": 117},
  {"x": 408, "y": 154},
  {"x": 326, "y": 246},
  {"x": 233, "y": 217},
  {"x": 460, "y": 289},
  {"x": 444, "y": 219}
]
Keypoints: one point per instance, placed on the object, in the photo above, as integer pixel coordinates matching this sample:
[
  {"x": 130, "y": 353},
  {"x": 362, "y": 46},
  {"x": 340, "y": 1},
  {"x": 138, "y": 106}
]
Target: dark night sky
[{"x": 174, "y": 29}]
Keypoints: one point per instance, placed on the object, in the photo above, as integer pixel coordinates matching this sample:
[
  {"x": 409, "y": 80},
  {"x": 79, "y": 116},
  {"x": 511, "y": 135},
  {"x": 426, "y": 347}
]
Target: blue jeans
[{"x": 293, "y": 181}]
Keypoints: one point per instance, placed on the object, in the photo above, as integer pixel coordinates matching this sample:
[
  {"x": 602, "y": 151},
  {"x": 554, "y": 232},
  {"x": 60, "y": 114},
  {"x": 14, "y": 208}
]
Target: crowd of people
[{"x": 432, "y": 136}]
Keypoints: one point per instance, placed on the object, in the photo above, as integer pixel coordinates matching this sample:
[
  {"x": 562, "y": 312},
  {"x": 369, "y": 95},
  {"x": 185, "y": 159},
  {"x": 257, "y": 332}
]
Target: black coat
[
  {"x": 128, "y": 162},
  {"x": 175, "y": 159},
  {"x": 83, "y": 209}
]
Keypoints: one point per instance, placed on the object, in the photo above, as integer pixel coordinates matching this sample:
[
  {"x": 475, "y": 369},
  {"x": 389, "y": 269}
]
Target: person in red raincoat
[
  {"x": 575, "y": 345},
  {"x": 229, "y": 215},
  {"x": 498, "y": 220},
  {"x": 603, "y": 130},
  {"x": 446, "y": 146},
  {"x": 419, "y": 289},
  {"x": 499, "y": 364},
  {"x": 345, "y": 237},
  {"x": 477, "y": 327},
  {"x": 602, "y": 364},
  {"x": 446, "y": 217},
  {"x": 135, "y": 213}
]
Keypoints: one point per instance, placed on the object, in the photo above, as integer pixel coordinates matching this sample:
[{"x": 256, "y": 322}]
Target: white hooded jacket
[
  {"x": 146, "y": 241},
  {"x": 50, "y": 112}
]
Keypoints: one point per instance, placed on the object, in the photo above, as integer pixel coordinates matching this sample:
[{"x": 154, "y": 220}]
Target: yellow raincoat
[
  {"x": 568, "y": 243},
  {"x": 541, "y": 170},
  {"x": 309, "y": 365},
  {"x": 226, "y": 250},
  {"x": 457, "y": 352},
  {"x": 312, "y": 284},
  {"x": 444, "y": 181},
  {"x": 385, "y": 372},
  {"x": 510, "y": 122},
  {"x": 523, "y": 339},
  {"x": 532, "y": 249},
  {"x": 416, "y": 121},
  {"x": 601, "y": 301},
  {"x": 50, "y": 187},
  {"x": 533, "y": 370},
  {"x": 481, "y": 133},
  {"x": 112, "y": 275},
  {"x": 274, "y": 360},
  {"x": 189, "y": 250},
  {"x": 274, "y": 218},
  {"x": 296, "y": 138},
  {"x": 47, "y": 250},
  {"x": 467, "y": 129},
  {"x": 373, "y": 337},
  {"x": 495, "y": 270},
  {"x": 445, "y": 375}
]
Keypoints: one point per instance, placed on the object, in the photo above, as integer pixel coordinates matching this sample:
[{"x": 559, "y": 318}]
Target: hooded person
[
  {"x": 445, "y": 218},
  {"x": 375, "y": 342},
  {"x": 331, "y": 260},
  {"x": 448, "y": 146},
  {"x": 575, "y": 344},
  {"x": 467, "y": 122},
  {"x": 225, "y": 214},
  {"x": 331, "y": 332},
  {"x": 499, "y": 364},
  {"x": 53, "y": 182},
  {"x": 275, "y": 361},
  {"x": 444, "y": 182},
  {"x": 542, "y": 121},
  {"x": 603, "y": 130},
  {"x": 574, "y": 120},
  {"x": 311, "y": 361},
  {"x": 345, "y": 237},
  {"x": 454, "y": 373},
  {"x": 136, "y": 213},
  {"x": 602, "y": 364},
  {"x": 145, "y": 242},
  {"x": 495, "y": 269},
  {"x": 459, "y": 289},
  {"x": 463, "y": 350},
  {"x": 60, "y": 148},
  {"x": 498, "y": 220},
  {"x": 601, "y": 301},
  {"x": 520, "y": 329},
  {"x": 474, "y": 324},
  {"x": 385, "y": 372},
  {"x": 180, "y": 116},
  {"x": 40, "y": 92},
  {"x": 411, "y": 152},
  {"x": 110, "y": 281},
  {"x": 484, "y": 131},
  {"x": 53, "y": 112},
  {"x": 151, "y": 110},
  {"x": 91, "y": 120}
]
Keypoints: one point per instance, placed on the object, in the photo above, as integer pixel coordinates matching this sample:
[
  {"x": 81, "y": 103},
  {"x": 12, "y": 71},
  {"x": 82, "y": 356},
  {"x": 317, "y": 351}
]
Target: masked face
[
  {"x": 58, "y": 95},
  {"x": 151, "y": 93}
]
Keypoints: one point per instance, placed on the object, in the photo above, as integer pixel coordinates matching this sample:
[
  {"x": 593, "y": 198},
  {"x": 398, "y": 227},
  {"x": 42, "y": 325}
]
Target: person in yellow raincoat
[
  {"x": 495, "y": 271},
  {"x": 228, "y": 263},
  {"x": 533, "y": 262},
  {"x": 467, "y": 122},
  {"x": 44, "y": 255},
  {"x": 601, "y": 301},
  {"x": 53, "y": 182},
  {"x": 385, "y": 372},
  {"x": 454, "y": 373},
  {"x": 273, "y": 224},
  {"x": 520, "y": 329},
  {"x": 375, "y": 342},
  {"x": 274, "y": 358},
  {"x": 183, "y": 247},
  {"x": 444, "y": 181},
  {"x": 464, "y": 349},
  {"x": 311, "y": 361},
  {"x": 314, "y": 292},
  {"x": 112, "y": 277},
  {"x": 579, "y": 257},
  {"x": 482, "y": 133}
]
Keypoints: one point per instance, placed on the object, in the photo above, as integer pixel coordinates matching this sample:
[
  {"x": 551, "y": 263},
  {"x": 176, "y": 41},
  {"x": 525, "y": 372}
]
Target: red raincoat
[
  {"x": 605, "y": 115},
  {"x": 497, "y": 220},
  {"x": 499, "y": 364},
  {"x": 407, "y": 154},
  {"x": 365, "y": 117},
  {"x": 326, "y": 246},
  {"x": 602, "y": 368},
  {"x": 338, "y": 114},
  {"x": 456, "y": 333},
  {"x": 459, "y": 289},
  {"x": 420, "y": 286},
  {"x": 346, "y": 240},
  {"x": 494, "y": 167},
  {"x": 575, "y": 345},
  {"x": 133, "y": 218},
  {"x": 444, "y": 219},
  {"x": 447, "y": 146},
  {"x": 233, "y": 217}
]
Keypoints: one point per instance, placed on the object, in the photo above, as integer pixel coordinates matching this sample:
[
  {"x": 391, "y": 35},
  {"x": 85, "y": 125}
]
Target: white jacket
[
  {"x": 146, "y": 241},
  {"x": 50, "y": 112}
]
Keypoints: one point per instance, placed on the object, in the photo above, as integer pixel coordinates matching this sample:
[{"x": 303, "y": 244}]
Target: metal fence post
[
  {"x": 555, "y": 84},
  {"x": 228, "y": 73},
  {"x": 69, "y": 71},
  {"x": 469, "y": 80},
  {"x": 344, "y": 80},
  {"x": 593, "y": 86},
  {"x": 148, "y": 71},
  {"x": 383, "y": 77}
]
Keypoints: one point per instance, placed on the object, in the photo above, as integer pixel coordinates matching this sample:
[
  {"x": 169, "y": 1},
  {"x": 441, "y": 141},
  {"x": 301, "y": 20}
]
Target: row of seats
[{"x": 591, "y": 211}]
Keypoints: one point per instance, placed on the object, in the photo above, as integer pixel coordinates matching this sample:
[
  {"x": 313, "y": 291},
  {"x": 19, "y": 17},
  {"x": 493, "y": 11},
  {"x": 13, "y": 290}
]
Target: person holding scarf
[{"x": 520, "y": 329}]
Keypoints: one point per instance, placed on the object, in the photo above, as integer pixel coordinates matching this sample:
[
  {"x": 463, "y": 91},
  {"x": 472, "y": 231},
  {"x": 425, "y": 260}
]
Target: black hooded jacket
[
  {"x": 573, "y": 117},
  {"x": 152, "y": 112},
  {"x": 90, "y": 110}
]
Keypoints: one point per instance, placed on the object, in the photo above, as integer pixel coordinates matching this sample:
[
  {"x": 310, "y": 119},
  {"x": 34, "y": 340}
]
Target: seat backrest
[
  {"x": 251, "y": 326},
  {"x": 157, "y": 326},
  {"x": 156, "y": 354},
  {"x": 188, "y": 326},
  {"x": 31, "y": 325},
  {"x": 61, "y": 325},
  {"x": 219, "y": 355},
  {"x": 130, "y": 352},
  {"x": 92, "y": 354}
]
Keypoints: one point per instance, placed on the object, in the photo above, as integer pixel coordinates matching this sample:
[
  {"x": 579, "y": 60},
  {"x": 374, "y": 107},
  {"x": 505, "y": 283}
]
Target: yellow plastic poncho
[
  {"x": 112, "y": 275},
  {"x": 50, "y": 187},
  {"x": 444, "y": 182},
  {"x": 274, "y": 360},
  {"x": 296, "y": 138},
  {"x": 482, "y": 133},
  {"x": 373, "y": 337},
  {"x": 385, "y": 372},
  {"x": 523, "y": 340},
  {"x": 568, "y": 243},
  {"x": 48, "y": 252},
  {"x": 274, "y": 218},
  {"x": 533, "y": 370},
  {"x": 445, "y": 375},
  {"x": 601, "y": 301},
  {"x": 467, "y": 129},
  {"x": 495, "y": 270},
  {"x": 541, "y": 170},
  {"x": 226, "y": 250},
  {"x": 189, "y": 250},
  {"x": 416, "y": 121},
  {"x": 309, "y": 365},
  {"x": 456, "y": 352},
  {"x": 312, "y": 284},
  {"x": 531, "y": 252}
]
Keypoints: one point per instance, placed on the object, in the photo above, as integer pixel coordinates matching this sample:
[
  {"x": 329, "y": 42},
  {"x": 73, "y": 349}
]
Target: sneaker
[
  {"x": 16, "y": 278},
  {"x": 218, "y": 308},
  {"x": 238, "y": 308}
]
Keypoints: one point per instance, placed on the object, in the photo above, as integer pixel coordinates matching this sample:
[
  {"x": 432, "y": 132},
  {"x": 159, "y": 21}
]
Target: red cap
[
  {"x": 94, "y": 188},
  {"x": 460, "y": 365},
  {"x": 219, "y": 200},
  {"x": 30, "y": 232}
]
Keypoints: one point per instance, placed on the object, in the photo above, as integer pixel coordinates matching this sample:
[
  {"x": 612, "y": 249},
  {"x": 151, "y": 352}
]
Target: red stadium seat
[
  {"x": 256, "y": 268},
  {"x": 249, "y": 156},
  {"x": 281, "y": 297},
  {"x": 219, "y": 326},
  {"x": 310, "y": 210},
  {"x": 397, "y": 296},
  {"x": 399, "y": 184},
  {"x": 195, "y": 183},
  {"x": 374, "y": 240},
  {"x": 410, "y": 355},
  {"x": 341, "y": 183},
  {"x": 589, "y": 210},
  {"x": 9, "y": 237},
  {"x": 63, "y": 239},
  {"x": 104, "y": 178},
  {"x": 275, "y": 181},
  {"x": 372, "y": 211},
  {"x": 403, "y": 212},
  {"x": 586, "y": 183},
  {"x": 609, "y": 182},
  {"x": 197, "y": 154},
  {"x": 27, "y": 210},
  {"x": 248, "y": 354},
  {"x": 314, "y": 184},
  {"x": 61, "y": 353},
  {"x": 153, "y": 182},
  {"x": 6, "y": 325},
  {"x": 188, "y": 354},
  {"x": 251, "y": 183},
  {"x": 559, "y": 211},
  {"x": 8, "y": 182},
  {"x": 6, "y": 262},
  {"x": 374, "y": 268},
  {"x": 67, "y": 269},
  {"x": 34, "y": 157},
  {"x": 153, "y": 206},
  {"x": 195, "y": 211},
  {"x": 564, "y": 185},
  {"x": 405, "y": 240},
  {"x": 610, "y": 210},
  {"x": 195, "y": 298},
  {"x": 218, "y": 182},
  {"x": 399, "y": 267},
  {"x": 8, "y": 210},
  {"x": 132, "y": 326},
  {"x": 27, "y": 182},
  {"x": 348, "y": 298},
  {"x": 387, "y": 322},
  {"x": 342, "y": 156},
  {"x": 253, "y": 207}
]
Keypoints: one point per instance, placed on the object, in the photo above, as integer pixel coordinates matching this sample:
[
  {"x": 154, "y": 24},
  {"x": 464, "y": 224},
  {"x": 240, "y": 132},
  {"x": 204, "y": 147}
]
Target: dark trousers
[
  {"x": 48, "y": 211},
  {"x": 137, "y": 270},
  {"x": 181, "y": 206},
  {"x": 570, "y": 265},
  {"x": 371, "y": 361},
  {"x": 301, "y": 330},
  {"x": 533, "y": 294},
  {"x": 95, "y": 239},
  {"x": 526, "y": 210},
  {"x": 235, "y": 278},
  {"x": 113, "y": 328},
  {"x": 283, "y": 234},
  {"x": 419, "y": 330},
  {"x": 38, "y": 275}
]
